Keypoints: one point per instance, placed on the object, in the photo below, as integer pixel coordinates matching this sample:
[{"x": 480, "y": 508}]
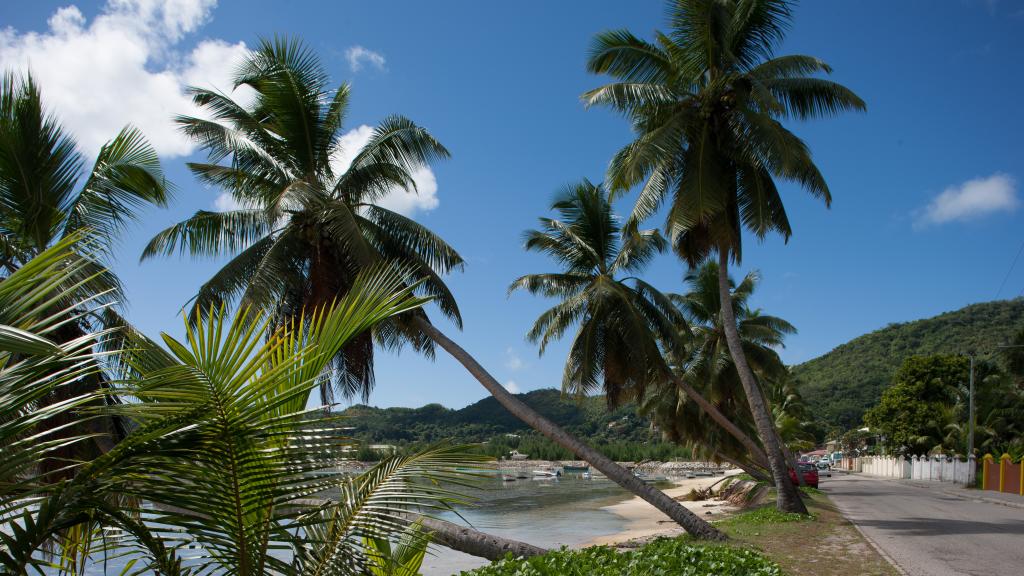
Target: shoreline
[{"x": 645, "y": 522}]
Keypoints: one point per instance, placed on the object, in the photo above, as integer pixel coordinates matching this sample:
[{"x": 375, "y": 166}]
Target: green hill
[
  {"x": 587, "y": 417},
  {"x": 842, "y": 384},
  {"x": 620, "y": 433}
]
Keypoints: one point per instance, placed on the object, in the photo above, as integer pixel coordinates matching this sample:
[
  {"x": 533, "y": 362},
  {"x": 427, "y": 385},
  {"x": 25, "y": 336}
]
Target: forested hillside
[
  {"x": 620, "y": 433},
  {"x": 842, "y": 384}
]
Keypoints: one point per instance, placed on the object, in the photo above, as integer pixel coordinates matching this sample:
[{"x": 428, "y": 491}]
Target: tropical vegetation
[
  {"x": 661, "y": 556},
  {"x": 705, "y": 363},
  {"x": 706, "y": 102},
  {"x": 306, "y": 228},
  {"x": 925, "y": 410},
  {"x": 224, "y": 466},
  {"x": 850, "y": 379},
  {"x": 49, "y": 194},
  {"x": 621, "y": 434}
]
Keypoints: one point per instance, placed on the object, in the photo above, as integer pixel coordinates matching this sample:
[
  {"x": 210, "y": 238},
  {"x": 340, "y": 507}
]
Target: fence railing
[
  {"x": 1004, "y": 476},
  {"x": 934, "y": 469}
]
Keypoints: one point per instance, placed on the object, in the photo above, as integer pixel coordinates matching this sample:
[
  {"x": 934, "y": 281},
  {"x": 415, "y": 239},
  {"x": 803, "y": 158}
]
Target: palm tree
[
  {"x": 623, "y": 323},
  {"x": 708, "y": 364},
  {"x": 305, "y": 232},
  {"x": 306, "y": 227},
  {"x": 47, "y": 195},
  {"x": 706, "y": 101},
  {"x": 222, "y": 442}
]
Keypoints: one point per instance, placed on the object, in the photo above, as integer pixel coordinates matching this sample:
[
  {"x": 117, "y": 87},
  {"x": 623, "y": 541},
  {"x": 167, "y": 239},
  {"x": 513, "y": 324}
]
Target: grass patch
[
  {"x": 821, "y": 543},
  {"x": 764, "y": 515}
]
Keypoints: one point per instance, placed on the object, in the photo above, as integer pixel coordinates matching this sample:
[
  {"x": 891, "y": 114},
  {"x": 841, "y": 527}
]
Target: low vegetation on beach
[{"x": 676, "y": 556}]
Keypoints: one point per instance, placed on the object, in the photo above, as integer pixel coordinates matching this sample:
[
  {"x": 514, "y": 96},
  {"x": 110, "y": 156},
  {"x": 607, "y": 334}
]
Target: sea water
[{"x": 545, "y": 512}]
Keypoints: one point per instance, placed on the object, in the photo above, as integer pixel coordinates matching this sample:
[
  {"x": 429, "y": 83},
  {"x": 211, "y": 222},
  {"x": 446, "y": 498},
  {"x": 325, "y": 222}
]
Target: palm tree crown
[
  {"x": 43, "y": 197},
  {"x": 706, "y": 101},
  {"x": 306, "y": 227},
  {"x": 616, "y": 346}
]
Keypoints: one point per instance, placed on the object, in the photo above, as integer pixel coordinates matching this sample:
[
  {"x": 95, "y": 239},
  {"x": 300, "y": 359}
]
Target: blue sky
[{"x": 926, "y": 215}]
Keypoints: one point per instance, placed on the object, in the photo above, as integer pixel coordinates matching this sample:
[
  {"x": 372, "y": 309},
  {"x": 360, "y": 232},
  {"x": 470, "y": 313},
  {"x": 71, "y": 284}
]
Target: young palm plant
[
  {"x": 237, "y": 474},
  {"x": 706, "y": 101},
  {"x": 305, "y": 231}
]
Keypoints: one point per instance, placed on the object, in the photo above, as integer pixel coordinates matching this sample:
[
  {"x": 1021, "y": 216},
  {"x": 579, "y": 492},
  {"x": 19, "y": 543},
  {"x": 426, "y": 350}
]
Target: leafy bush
[{"x": 678, "y": 557}]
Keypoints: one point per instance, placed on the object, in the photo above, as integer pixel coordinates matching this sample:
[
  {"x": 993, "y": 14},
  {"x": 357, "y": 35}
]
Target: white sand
[{"x": 646, "y": 521}]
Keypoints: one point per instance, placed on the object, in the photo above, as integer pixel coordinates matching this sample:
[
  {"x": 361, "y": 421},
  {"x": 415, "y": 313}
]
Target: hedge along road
[{"x": 930, "y": 532}]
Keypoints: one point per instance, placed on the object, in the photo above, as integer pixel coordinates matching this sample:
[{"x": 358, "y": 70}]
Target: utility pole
[{"x": 970, "y": 412}]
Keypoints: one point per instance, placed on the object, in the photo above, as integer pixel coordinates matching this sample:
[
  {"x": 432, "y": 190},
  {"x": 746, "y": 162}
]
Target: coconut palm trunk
[
  {"x": 756, "y": 453},
  {"x": 788, "y": 496},
  {"x": 688, "y": 520},
  {"x": 755, "y": 473}
]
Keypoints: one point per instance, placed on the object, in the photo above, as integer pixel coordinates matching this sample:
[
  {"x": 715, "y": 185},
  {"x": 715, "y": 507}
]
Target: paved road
[{"x": 931, "y": 533}]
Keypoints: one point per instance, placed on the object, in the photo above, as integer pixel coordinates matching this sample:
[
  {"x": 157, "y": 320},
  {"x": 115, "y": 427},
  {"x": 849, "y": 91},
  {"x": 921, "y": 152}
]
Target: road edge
[{"x": 885, "y": 555}]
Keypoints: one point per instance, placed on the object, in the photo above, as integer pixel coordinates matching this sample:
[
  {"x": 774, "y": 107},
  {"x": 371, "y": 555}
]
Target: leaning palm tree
[
  {"x": 621, "y": 323},
  {"x": 47, "y": 194},
  {"x": 304, "y": 231},
  {"x": 708, "y": 364},
  {"x": 706, "y": 101}
]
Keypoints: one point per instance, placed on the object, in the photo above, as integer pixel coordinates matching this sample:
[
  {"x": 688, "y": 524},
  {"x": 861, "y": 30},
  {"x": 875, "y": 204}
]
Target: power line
[{"x": 1008, "y": 272}]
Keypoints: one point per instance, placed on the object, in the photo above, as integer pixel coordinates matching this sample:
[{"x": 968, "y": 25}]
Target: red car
[{"x": 810, "y": 474}]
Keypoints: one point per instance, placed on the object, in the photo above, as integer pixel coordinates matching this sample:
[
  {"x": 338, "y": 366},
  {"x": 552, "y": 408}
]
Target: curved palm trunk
[
  {"x": 789, "y": 498},
  {"x": 476, "y": 543},
  {"x": 674, "y": 510},
  {"x": 755, "y": 473},
  {"x": 756, "y": 453}
]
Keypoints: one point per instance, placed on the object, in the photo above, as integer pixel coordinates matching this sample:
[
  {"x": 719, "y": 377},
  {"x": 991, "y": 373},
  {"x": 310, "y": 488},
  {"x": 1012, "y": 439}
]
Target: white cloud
[
  {"x": 512, "y": 360},
  {"x": 512, "y": 387},
  {"x": 972, "y": 199},
  {"x": 423, "y": 199},
  {"x": 122, "y": 67},
  {"x": 357, "y": 56}
]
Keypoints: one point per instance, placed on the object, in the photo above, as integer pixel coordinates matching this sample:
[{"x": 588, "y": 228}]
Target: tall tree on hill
[
  {"x": 706, "y": 101},
  {"x": 305, "y": 228}
]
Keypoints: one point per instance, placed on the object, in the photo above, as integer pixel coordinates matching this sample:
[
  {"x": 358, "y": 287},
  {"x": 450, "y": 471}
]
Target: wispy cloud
[
  {"x": 124, "y": 66},
  {"x": 972, "y": 199},
  {"x": 512, "y": 387},
  {"x": 407, "y": 202},
  {"x": 358, "y": 56},
  {"x": 512, "y": 360}
]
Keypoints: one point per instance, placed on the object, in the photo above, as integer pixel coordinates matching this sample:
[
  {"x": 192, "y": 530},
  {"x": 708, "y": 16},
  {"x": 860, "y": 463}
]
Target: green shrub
[{"x": 664, "y": 556}]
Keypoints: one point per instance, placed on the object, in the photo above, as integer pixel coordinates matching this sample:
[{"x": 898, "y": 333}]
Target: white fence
[
  {"x": 885, "y": 466},
  {"x": 936, "y": 468}
]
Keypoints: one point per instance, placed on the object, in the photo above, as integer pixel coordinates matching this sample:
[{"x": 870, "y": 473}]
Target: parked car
[
  {"x": 824, "y": 468},
  {"x": 809, "y": 472}
]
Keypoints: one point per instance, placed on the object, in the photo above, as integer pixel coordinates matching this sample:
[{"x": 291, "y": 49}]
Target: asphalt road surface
[{"x": 931, "y": 533}]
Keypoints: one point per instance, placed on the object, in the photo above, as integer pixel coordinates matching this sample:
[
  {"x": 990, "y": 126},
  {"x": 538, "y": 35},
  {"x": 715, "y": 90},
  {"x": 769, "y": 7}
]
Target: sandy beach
[{"x": 646, "y": 521}]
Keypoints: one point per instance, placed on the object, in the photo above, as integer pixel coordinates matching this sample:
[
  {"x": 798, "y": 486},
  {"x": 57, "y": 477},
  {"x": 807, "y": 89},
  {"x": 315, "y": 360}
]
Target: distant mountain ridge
[
  {"x": 840, "y": 385},
  {"x": 587, "y": 417}
]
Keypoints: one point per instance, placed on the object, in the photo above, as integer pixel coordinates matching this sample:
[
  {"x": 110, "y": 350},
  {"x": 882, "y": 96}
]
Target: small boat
[
  {"x": 522, "y": 476},
  {"x": 576, "y": 469},
  {"x": 546, "y": 473},
  {"x": 508, "y": 479},
  {"x": 649, "y": 479}
]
